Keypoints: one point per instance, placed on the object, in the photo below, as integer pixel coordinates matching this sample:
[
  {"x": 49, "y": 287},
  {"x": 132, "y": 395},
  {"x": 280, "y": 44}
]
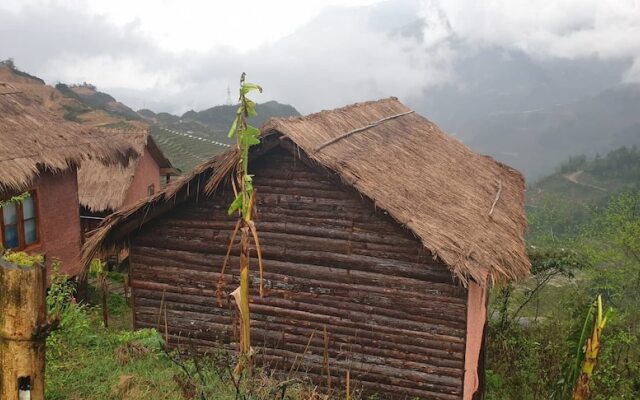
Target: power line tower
[{"x": 229, "y": 96}]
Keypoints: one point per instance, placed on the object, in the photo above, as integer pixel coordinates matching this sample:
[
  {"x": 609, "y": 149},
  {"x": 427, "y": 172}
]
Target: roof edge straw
[
  {"x": 364, "y": 128},
  {"x": 440, "y": 190},
  {"x": 36, "y": 138}
]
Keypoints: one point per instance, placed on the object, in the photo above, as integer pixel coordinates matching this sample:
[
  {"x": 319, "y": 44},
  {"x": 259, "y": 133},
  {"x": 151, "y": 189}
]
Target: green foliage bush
[
  {"x": 22, "y": 259},
  {"x": 529, "y": 358}
]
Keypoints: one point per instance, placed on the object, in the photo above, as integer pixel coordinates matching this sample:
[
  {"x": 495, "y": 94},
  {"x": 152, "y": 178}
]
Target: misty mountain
[
  {"x": 532, "y": 114},
  {"x": 219, "y": 118},
  {"x": 494, "y": 81},
  {"x": 215, "y": 121},
  {"x": 535, "y": 140},
  {"x": 90, "y": 96}
]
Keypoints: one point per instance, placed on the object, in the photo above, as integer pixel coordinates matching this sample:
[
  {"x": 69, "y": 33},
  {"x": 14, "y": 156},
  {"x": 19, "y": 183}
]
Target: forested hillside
[
  {"x": 567, "y": 197},
  {"x": 584, "y": 240},
  {"x": 197, "y": 135}
]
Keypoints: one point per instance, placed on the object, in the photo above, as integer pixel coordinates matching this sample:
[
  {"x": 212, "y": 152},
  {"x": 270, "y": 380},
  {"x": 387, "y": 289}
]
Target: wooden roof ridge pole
[
  {"x": 495, "y": 201},
  {"x": 23, "y": 331},
  {"x": 363, "y": 128}
]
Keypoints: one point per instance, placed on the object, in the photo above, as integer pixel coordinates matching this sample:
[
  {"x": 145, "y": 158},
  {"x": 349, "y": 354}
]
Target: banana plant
[
  {"x": 591, "y": 348},
  {"x": 243, "y": 205}
]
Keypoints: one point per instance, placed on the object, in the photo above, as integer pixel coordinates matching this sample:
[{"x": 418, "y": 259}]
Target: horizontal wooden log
[
  {"x": 379, "y": 368},
  {"x": 422, "y": 314},
  {"x": 422, "y": 296},
  {"x": 305, "y": 367},
  {"x": 223, "y": 314},
  {"x": 359, "y": 268},
  {"x": 341, "y": 337},
  {"x": 344, "y": 325},
  {"x": 395, "y": 317},
  {"x": 430, "y": 275},
  {"x": 204, "y": 228}
]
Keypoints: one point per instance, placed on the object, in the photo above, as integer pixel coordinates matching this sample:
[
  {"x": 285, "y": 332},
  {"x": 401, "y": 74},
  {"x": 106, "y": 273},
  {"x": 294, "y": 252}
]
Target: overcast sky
[{"x": 175, "y": 55}]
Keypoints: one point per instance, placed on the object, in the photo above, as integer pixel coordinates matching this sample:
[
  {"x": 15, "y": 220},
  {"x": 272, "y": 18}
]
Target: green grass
[
  {"x": 87, "y": 361},
  {"x": 89, "y": 369},
  {"x": 83, "y": 361}
]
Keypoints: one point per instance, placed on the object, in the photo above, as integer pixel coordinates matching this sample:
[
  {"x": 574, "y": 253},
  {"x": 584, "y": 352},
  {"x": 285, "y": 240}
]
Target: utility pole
[{"x": 23, "y": 331}]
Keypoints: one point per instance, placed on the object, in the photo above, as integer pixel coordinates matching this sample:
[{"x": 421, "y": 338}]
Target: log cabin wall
[{"x": 394, "y": 317}]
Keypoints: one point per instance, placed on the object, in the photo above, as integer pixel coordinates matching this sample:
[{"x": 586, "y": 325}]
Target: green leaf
[
  {"x": 234, "y": 126},
  {"x": 15, "y": 199},
  {"x": 235, "y": 206},
  {"x": 252, "y": 131},
  {"x": 251, "y": 108},
  {"x": 248, "y": 181},
  {"x": 250, "y": 136},
  {"x": 248, "y": 87}
]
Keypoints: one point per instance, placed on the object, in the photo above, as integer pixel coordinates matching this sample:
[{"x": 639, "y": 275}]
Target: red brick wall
[
  {"x": 147, "y": 173},
  {"x": 59, "y": 220}
]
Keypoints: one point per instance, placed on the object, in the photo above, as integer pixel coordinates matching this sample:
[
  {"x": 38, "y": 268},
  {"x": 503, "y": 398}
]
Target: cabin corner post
[
  {"x": 22, "y": 325},
  {"x": 477, "y": 297}
]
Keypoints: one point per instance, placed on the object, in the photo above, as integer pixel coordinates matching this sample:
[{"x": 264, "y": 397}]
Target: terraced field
[{"x": 185, "y": 150}]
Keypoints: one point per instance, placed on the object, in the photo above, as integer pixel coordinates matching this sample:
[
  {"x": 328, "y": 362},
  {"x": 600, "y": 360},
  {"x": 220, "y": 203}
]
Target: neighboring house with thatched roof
[
  {"x": 380, "y": 237},
  {"x": 106, "y": 188},
  {"x": 39, "y": 154}
]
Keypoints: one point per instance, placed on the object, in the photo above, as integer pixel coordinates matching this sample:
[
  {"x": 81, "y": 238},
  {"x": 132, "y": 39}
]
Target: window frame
[{"x": 33, "y": 193}]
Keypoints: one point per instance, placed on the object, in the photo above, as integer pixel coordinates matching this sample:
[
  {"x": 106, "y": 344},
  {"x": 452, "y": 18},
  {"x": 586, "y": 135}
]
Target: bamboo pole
[
  {"x": 23, "y": 331},
  {"x": 104, "y": 293}
]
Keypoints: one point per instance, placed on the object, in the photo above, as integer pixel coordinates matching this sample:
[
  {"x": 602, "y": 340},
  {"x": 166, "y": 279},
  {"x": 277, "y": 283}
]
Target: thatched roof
[
  {"x": 467, "y": 209},
  {"x": 33, "y": 138},
  {"x": 428, "y": 181},
  {"x": 104, "y": 187}
]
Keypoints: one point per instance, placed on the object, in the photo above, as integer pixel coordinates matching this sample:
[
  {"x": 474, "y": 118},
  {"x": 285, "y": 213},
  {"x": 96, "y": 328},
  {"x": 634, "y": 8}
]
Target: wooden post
[
  {"x": 104, "y": 293},
  {"x": 23, "y": 331}
]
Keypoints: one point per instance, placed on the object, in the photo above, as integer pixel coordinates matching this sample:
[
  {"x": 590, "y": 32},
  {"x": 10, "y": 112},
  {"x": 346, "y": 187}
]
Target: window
[
  {"x": 151, "y": 189},
  {"x": 19, "y": 223}
]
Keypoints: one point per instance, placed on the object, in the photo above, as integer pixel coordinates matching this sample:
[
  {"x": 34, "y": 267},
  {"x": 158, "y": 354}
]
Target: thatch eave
[
  {"x": 35, "y": 139},
  {"x": 467, "y": 209},
  {"x": 104, "y": 188}
]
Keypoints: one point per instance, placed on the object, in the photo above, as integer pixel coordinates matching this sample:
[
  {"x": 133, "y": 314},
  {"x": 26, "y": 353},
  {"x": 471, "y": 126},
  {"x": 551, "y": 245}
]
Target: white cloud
[
  {"x": 566, "y": 29},
  {"x": 337, "y": 58},
  {"x": 174, "y": 55},
  {"x": 200, "y": 25},
  {"x": 123, "y": 72}
]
